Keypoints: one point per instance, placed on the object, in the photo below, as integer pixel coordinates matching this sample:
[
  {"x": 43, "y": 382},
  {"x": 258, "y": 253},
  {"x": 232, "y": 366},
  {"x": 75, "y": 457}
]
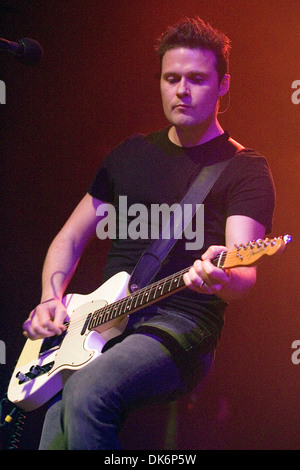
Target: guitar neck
[
  {"x": 146, "y": 296},
  {"x": 138, "y": 300},
  {"x": 241, "y": 255}
]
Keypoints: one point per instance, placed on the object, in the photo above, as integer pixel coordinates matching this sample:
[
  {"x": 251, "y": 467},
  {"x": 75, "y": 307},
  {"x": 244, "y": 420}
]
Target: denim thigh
[{"x": 149, "y": 364}]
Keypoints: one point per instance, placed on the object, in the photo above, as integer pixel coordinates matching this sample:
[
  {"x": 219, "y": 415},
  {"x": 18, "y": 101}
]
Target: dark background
[{"x": 97, "y": 84}]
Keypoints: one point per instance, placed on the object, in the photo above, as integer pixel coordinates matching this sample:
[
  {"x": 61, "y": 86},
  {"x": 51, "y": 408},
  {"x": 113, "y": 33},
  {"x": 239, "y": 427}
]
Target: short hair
[{"x": 195, "y": 33}]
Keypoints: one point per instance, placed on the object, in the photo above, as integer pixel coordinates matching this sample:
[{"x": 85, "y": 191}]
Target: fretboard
[
  {"x": 138, "y": 300},
  {"x": 143, "y": 297}
]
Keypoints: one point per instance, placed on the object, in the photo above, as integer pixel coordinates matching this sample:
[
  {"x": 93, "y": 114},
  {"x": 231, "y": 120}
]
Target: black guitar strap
[{"x": 151, "y": 260}]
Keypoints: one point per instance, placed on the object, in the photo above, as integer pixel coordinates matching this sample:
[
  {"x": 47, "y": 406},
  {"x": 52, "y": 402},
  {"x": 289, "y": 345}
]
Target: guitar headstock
[{"x": 250, "y": 253}]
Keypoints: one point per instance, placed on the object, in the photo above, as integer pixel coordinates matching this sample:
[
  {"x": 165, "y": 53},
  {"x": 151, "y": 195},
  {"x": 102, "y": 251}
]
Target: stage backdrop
[{"x": 98, "y": 83}]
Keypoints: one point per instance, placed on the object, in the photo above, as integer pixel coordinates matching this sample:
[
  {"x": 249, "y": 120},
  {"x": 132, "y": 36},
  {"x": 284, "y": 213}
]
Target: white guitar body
[
  {"x": 75, "y": 351},
  {"x": 44, "y": 365}
]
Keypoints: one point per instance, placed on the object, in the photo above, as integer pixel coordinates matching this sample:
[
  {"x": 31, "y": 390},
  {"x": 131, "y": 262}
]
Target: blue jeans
[{"x": 162, "y": 358}]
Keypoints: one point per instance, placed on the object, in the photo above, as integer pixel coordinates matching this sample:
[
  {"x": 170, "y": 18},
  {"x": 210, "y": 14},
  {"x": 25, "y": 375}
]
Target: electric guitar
[{"x": 45, "y": 364}]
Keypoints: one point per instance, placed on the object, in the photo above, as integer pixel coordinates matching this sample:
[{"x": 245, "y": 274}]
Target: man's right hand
[{"x": 46, "y": 320}]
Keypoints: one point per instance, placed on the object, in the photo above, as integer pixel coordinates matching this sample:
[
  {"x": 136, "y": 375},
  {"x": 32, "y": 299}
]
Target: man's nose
[{"x": 183, "y": 88}]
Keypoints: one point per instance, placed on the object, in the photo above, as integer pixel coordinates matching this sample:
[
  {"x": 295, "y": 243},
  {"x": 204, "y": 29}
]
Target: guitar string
[{"x": 118, "y": 305}]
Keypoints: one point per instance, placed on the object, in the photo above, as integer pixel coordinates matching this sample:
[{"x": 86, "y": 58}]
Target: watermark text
[
  {"x": 296, "y": 94},
  {"x": 137, "y": 221},
  {"x": 296, "y": 354},
  {"x": 2, "y": 92},
  {"x": 2, "y": 352}
]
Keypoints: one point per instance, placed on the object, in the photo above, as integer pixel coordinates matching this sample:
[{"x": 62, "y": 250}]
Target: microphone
[{"x": 28, "y": 51}]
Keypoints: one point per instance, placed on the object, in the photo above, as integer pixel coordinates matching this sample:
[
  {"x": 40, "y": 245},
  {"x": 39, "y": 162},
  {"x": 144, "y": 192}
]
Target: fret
[
  {"x": 163, "y": 287},
  {"x": 221, "y": 257},
  {"x": 93, "y": 321},
  {"x": 127, "y": 307},
  {"x": 118, "y": 307},
  {"x": 155, "y": 292},
  {"x": 140, "y": 298},
  {"x": 151, "y": 293},
  {"x": 175, "y": 280},
  {"x": 136, "y": 297},
  {"x": 159, "y": 290},
  {"x": 106, "y": 315},
  {"x": 143, "y": 291},
  {"x": 171, "y": 284},
  {"x": 217, "y": 260}
]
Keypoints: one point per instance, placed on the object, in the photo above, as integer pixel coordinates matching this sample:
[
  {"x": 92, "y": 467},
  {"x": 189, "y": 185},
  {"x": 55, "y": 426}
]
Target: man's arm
[
  {"x": 226, "y": 284},
  {"x": 59, "y": 266}
]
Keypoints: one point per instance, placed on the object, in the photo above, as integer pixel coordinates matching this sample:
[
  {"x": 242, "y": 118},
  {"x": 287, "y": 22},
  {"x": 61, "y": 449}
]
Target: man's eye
[
  {"x": 197, "y": 79},
  {"x": 172, "y": 79}
]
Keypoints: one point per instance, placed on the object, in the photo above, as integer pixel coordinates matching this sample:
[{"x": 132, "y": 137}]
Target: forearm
[
  {"x": 47, "y": 319},
  {"x": 59, "y": 266},
  {"x": 240, "y": 282}
]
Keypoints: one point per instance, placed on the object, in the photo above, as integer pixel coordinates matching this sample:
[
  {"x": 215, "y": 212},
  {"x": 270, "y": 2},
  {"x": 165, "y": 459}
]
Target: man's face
[{"x": 190, "y": 86}]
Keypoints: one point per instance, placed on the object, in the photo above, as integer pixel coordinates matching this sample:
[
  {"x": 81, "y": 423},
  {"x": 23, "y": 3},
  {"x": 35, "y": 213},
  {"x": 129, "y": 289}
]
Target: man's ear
[{"x": 224, "y": 85}]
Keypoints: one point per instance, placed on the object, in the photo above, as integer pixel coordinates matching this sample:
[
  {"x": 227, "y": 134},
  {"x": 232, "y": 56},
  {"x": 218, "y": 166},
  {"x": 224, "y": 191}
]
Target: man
[{"x": 167, "y": 348}]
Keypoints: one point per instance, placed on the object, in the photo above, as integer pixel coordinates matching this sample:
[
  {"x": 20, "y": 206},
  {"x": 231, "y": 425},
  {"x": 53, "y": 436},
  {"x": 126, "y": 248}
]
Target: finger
[
  {"x": 213, "y": 251},
  {"x": 186, "y": 280},
  {"x": 195, "y": 282},
  {"x": 40, "y": 323},
  {"x": 60, "y": 318},
  {"x": 28, "y": 329},
  {"x": 44, "y": 325},
  {"x": 194, "y": 276},
  {"x": 33, "y": 331},
  {"x": 51, "y": 316},
  {"x": 213, "y": 275},
  {"x": 205, "y": 278},
  {"x": 200, "y": 277}
]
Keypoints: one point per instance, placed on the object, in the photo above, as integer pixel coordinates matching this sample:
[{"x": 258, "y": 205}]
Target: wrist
[
  {"x": 50, "y": 298},
  {"x": 240, "y": 281}
]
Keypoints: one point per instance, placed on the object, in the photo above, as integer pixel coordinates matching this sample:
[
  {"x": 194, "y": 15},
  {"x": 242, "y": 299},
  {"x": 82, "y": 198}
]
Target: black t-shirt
[{"x": 152, "y": 170}]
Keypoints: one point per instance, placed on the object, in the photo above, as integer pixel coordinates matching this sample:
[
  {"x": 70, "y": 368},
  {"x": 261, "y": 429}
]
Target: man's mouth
[{"x": 181, "y": 106}]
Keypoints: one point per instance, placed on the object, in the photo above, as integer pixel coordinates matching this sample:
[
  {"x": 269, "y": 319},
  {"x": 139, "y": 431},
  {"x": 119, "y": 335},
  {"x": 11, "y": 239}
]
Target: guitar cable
[{"x": 15, "y": 418}]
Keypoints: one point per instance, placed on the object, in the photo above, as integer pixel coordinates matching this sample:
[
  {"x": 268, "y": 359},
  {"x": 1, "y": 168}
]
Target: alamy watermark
[
  {"x": 2, "y": 92},
  {"x": 296, "y": 94},
  {"x": 138, "y": 222},
  {"x": 2, "y": 352},
  {"x": 296, "y": 354}
]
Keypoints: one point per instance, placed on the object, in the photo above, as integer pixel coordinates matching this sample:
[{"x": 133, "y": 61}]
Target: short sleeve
[
  {"x": 102, "y": 187},
  {"x": 112, "y": 170},
  {"x": 253, "y": 193}
]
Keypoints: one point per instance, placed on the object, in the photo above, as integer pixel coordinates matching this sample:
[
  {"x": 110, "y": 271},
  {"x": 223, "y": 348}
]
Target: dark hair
[{"x": 194, "y": 33}]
